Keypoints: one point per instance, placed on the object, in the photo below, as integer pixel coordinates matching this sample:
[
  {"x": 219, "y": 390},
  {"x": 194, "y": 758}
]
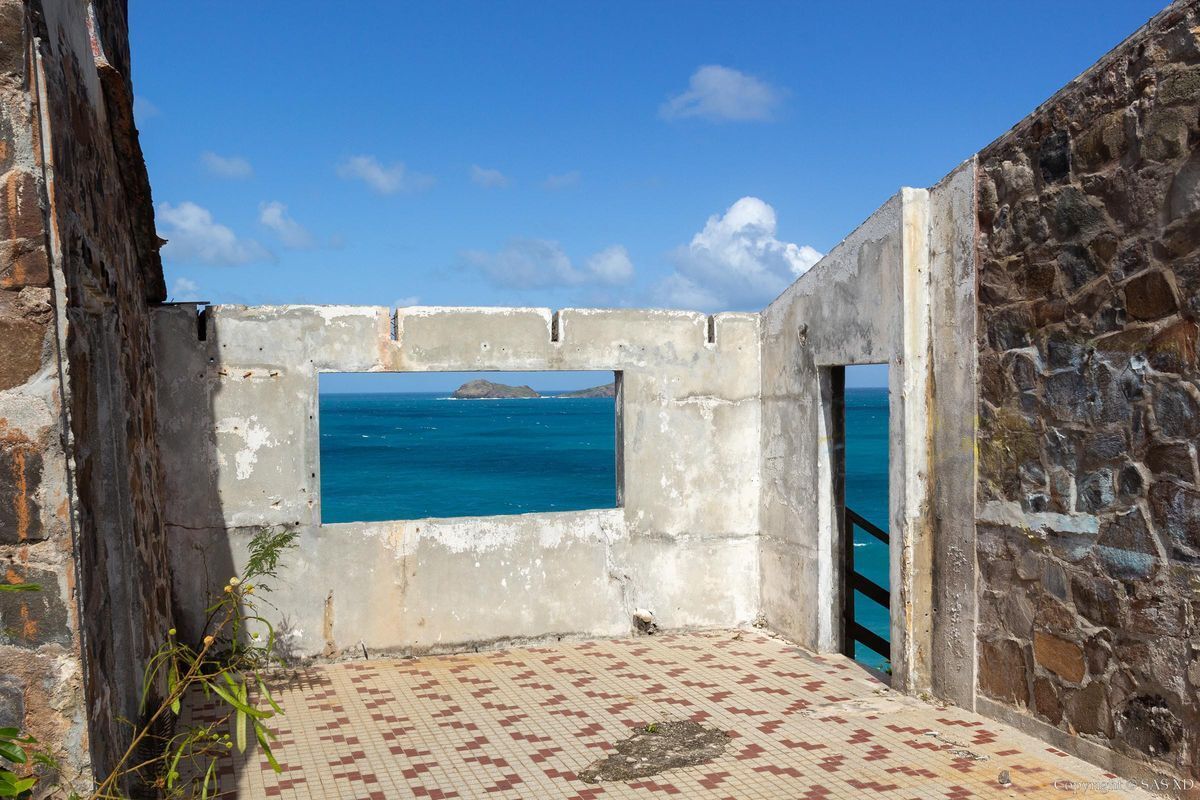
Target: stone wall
[
  {"x": 1089, "y": 406},
  {"x": 240, "y": 441},
  {"x": 79, "y": 477},
  {"x": 41, "y": 680}
]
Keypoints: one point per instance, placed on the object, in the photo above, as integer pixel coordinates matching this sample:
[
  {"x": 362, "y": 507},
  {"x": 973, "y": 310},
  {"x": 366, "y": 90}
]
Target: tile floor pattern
[{"x": 520, "y": 723}]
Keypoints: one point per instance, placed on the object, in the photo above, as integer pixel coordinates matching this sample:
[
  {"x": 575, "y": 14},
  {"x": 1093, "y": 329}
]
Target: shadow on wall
[{"x": 211, "y": 556}]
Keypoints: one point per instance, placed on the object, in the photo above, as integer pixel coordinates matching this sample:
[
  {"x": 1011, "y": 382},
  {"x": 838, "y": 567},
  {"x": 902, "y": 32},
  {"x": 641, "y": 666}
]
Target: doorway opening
[{"x": 860, "y": 415}]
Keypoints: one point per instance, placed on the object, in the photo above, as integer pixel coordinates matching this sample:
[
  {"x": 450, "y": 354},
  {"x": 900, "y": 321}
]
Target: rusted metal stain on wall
[{"x": 20, "y": 476}]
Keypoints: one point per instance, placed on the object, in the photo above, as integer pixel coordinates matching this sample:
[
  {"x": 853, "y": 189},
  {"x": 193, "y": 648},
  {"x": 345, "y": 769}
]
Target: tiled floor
[{"x": 521, "y": 723}]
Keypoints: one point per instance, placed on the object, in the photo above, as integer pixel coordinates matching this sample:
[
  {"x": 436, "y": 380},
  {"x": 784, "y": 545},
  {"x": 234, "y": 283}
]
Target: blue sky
[{"x": 563, "y": 154}]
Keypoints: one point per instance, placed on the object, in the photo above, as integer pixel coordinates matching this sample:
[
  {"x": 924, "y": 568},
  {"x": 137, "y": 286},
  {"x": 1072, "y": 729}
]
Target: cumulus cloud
[
  {"x": 543, "y": 264},
  {"x": 488, "y": 178},
  {"x": 723, "y": 94},
  {"x": 385, "y": 179},
  {"x": 611, "y": 266},
  {"x": 735, "y": 261},
  {"x": 226, "y": 166},
  {"x": 184, "y": 290},
  {"x": 405, "y": 302},
  {"x": 274, "y": 215},
  {"x": 194, "y": 236},
  {"x": 563, "y": 180}
]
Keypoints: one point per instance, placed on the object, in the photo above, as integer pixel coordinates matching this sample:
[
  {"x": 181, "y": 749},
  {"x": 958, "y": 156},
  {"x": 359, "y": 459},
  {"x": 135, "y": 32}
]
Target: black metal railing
[{"x": 853, "y": 632}]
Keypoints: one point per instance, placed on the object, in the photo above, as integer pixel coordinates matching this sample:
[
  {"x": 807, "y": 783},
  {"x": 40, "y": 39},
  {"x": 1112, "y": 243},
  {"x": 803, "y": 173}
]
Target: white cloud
[
  {"x": 540, "y": 264},
  {"x": 194, "y": 236},
  {"x": 143, "y": 109},
  {"x": 226, "y": 166},
  {"x": 611, "y": 266},
  {"x": 184, "y": 290},
  {"x": 723, "y": 94},
  {"x": 387, "y": 179},
  {"x": 562, "y": 181},
  {"x": 274, "y": 215},
  {"x": 488, "y": 178},
  {"x": 735, "y": 261},
  {"x": 405, "y": 302}
]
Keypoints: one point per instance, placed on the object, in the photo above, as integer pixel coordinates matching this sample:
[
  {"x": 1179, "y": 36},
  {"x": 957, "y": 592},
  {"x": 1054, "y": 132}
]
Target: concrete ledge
[{"x": 420, "y": 586}]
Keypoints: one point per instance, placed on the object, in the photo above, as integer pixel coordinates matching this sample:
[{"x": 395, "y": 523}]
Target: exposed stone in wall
[
  {"x": 41, "y": 688},
  {"x": 109, "y": 268},
  {"x": 71, "y": 172},
  {"x": 1089, "y": 403}
]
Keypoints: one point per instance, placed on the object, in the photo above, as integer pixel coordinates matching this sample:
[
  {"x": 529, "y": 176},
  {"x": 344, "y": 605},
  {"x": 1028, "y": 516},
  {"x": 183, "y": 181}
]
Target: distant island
[
  {"x": 607, "y": 390},
  {"x": 486, "y": 390}
]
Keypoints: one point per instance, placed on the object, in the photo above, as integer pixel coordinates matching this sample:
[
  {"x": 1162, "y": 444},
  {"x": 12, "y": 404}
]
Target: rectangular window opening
[
  {"x": 415, "y": 445},
  {"x": 865, "y": 504}
]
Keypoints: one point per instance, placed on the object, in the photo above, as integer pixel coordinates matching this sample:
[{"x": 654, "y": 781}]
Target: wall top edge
[
  {"x": 608, "y": 515},
  {"x": 883, "y": 221},
  {"x": 1168, "y": 16},
  {"x": 429, "y": 311}
]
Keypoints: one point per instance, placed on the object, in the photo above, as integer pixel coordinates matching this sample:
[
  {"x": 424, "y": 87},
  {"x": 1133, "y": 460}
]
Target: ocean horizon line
[{"x": 543, "y": 393}]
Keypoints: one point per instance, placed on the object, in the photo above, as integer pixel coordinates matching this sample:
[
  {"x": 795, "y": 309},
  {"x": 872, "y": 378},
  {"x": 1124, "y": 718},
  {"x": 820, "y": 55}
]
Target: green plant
[
  {"x": 229, "y": 664},
  {"x": 14, "y": 748}
]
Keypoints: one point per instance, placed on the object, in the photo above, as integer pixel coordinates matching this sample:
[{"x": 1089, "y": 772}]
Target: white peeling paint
[{"x": 254, "y": 437}]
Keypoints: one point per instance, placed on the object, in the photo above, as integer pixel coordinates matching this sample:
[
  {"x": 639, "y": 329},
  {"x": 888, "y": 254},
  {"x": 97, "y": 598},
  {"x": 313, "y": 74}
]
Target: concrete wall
[
  {"x": 239, "y": 435},
  {"x": 900, "y": 291},
  {"x": 1089, "y": 409},
  {"x": 845, "y": 310},
  {"x": 953, "y": 396},
  {"x": 866, "y": 302},
  {"x": 79, "y": 492}
]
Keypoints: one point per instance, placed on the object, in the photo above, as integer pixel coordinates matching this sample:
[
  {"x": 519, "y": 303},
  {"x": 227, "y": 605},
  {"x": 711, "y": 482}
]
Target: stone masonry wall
[
  {"x": 41, "y": 681},
  {"x": 79, "y": 474},
  {"x": 1089, "y": 404}
]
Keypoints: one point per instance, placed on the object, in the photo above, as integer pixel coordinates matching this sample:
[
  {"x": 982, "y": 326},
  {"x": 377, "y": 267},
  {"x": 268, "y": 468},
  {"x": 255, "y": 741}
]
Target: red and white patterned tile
[{"x": 522, "y": 723}]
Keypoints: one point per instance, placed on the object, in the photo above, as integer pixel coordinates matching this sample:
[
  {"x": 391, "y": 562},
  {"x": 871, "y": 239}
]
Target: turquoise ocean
[{"x": 417, "y": 455}]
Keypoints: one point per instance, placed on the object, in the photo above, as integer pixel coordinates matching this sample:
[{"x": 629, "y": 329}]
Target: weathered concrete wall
[
  {"x": 866, "y": 302},
  {"x": 953, "y": 396},
  {"x": 845, "y": 310},
  {"x": 238, "y": 425},
  {"x": 1089, "y": 408},
  {"x": 79, "y": 492},
  {"x": 899, "y": 291}
]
